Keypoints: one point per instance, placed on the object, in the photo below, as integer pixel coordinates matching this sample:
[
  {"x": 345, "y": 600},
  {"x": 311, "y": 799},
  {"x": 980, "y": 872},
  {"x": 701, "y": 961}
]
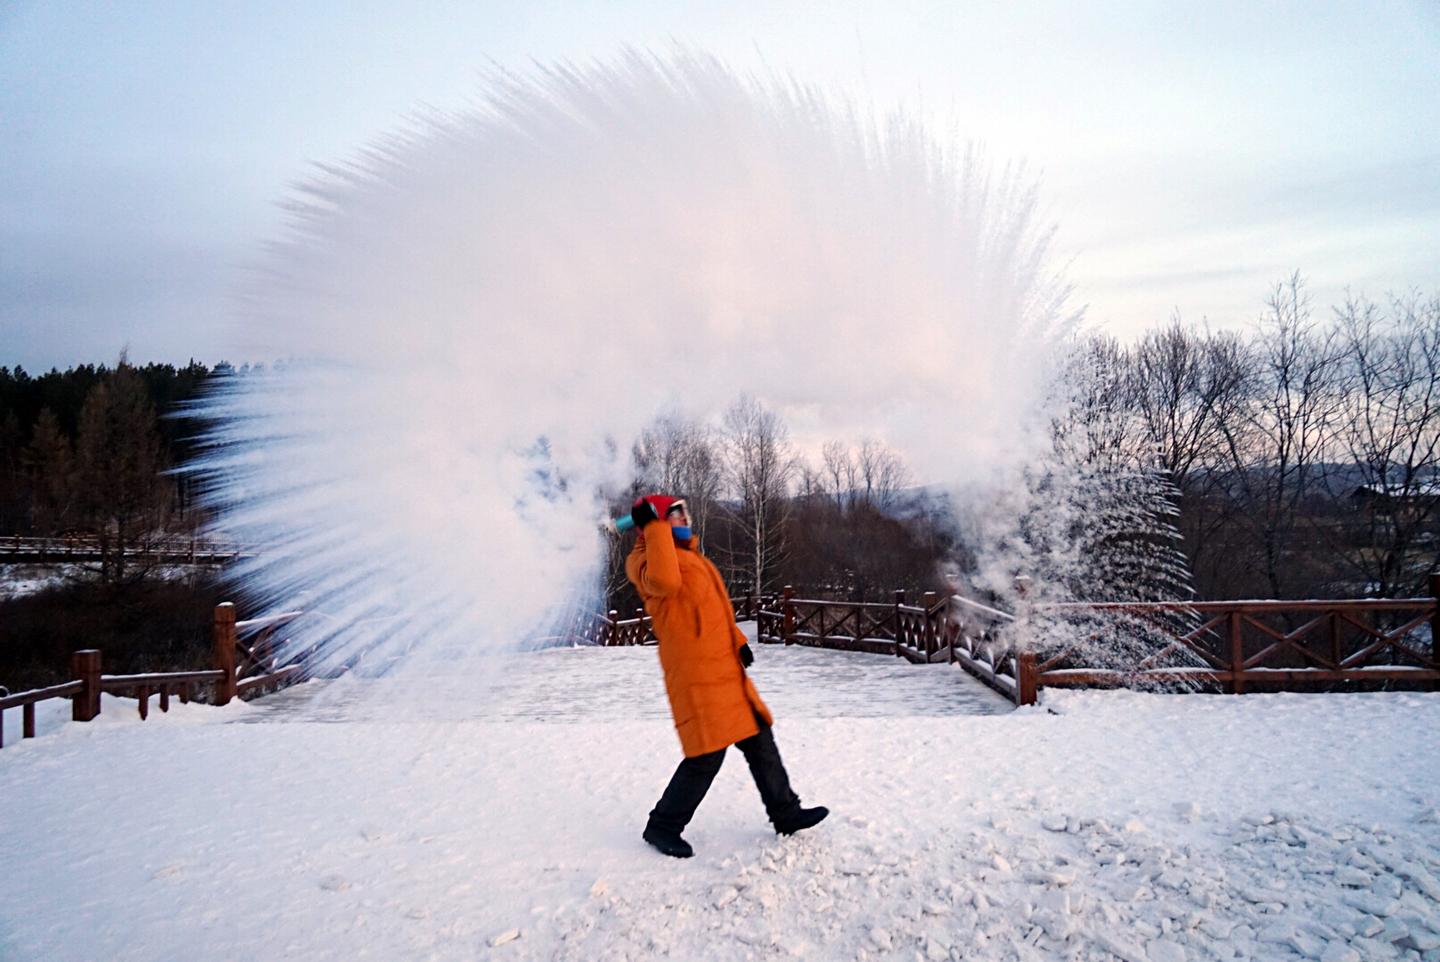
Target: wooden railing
[
  {"x": 893, "y": 628},
  {"x": 246, "y": 655},
  {"x": 1237, "y": 646},
  {"x": 167, "y": 549},
  {"x": 26, "y": 702},
  {"x": 1247, "y": 645},
  {"x": 610, "y": 630}
]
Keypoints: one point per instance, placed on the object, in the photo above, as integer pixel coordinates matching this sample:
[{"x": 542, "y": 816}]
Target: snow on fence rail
[
  {"x": 1235, "y": 645},
  {"x": 246, "y": 657}
]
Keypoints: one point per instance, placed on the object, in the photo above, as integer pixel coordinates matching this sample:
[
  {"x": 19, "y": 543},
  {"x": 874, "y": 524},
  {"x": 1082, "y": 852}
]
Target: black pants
[{"x": 692, "y": 780}]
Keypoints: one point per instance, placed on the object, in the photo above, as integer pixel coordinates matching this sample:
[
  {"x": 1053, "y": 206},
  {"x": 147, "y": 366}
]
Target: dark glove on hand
[
  {"x": 747, "y": 657},
  {"x": 642, "y": 514}
]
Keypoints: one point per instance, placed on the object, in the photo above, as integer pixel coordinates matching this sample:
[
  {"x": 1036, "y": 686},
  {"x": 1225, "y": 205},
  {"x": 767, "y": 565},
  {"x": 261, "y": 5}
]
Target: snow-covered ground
[
  {"x": 19, "y": 580},
  {"x": 16, "y": 581},
  {"x": 327, "y": 825}
]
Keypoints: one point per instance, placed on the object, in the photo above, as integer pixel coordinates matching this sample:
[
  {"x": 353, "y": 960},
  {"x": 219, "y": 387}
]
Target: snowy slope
[{"x": 1106, "y": 825}]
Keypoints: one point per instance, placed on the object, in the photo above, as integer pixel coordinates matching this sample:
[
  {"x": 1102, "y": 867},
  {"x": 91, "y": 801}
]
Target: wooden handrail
[
  {"x": 22, "y": 698},
  {"x": 122, "y": 682},
  {"x": 971, "y": 605},
  {"x": 1245, "y": 606},
  {"x": 284, "y": 617},
  {"x": 85, "y": 692}
]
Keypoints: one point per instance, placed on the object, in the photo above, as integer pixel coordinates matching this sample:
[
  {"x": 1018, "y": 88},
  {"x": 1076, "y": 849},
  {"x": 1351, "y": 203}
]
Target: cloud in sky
[{"x": 1191, "y": 154}]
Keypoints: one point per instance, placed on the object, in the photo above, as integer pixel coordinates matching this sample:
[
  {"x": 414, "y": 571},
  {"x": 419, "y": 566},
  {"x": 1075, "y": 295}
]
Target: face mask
[{"x": 681, "y": 533}]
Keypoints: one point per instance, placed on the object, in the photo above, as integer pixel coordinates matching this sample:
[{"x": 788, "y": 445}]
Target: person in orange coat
[{"x": 704, "y": 656}]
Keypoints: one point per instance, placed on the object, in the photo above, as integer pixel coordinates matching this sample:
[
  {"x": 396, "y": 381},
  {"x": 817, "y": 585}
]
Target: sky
[{"x": 1192, "y": 155}]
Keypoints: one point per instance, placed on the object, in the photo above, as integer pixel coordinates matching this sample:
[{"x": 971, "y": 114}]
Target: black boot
[
  {"x": 670, "y": 843},
  {"x": 781, "y": 802},
  {"x": 677, "y": 806},
  {"x": 800, "y": 819}
]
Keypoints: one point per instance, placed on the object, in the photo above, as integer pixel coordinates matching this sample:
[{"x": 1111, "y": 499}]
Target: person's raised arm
[{"x": 660, "y": 571}]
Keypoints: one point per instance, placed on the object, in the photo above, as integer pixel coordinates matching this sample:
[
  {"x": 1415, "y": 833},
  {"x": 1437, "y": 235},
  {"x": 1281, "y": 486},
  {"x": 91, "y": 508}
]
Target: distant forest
[
  {"x": 1302, "y": 458},
  {"x": 88, "y": 450},
  {"x": 1298, "y": 459}
]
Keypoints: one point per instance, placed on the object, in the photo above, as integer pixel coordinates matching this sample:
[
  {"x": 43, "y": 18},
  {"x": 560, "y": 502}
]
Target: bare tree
[
  {"x": 1389, "y": 432},
  {"x": 1189, "y": 391},
  {"x": 760, "y": 463},
  {"x": 1184, "y": 386},
  {"x": 839, "y": 472},
  {"x": 681, "y": 456},
  {"x": 811, "y": 483},
  {"x": 1277, "y": 452},
  {"x": 882, "y": 473}
]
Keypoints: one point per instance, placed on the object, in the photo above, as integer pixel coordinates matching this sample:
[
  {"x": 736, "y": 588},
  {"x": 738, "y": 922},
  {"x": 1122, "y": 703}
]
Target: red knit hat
[{"x": 662, "y": 503}]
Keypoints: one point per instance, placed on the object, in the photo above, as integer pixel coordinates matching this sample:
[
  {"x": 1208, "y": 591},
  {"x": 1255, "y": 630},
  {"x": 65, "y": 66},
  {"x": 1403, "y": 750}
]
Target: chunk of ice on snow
[
  {"x": 1339, "y": 952},
  {"x": 509, "y": 935},
  {"x": 1115, "y": 945},
  {"x": 1353, "y": 877},
  {"x": 1164, "y": 950},
  {"x": 1371, "y": 904},
  {"x": 1187, "y": 811},
  {"x": 1422, "y": 940}
]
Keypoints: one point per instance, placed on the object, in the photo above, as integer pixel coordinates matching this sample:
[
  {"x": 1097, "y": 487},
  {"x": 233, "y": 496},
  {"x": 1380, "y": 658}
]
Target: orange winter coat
[{"x": 712, "y": 700}]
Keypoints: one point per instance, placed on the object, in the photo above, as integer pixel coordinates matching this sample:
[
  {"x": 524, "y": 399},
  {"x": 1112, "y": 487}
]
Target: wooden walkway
[{"x": 575, "y": 685}]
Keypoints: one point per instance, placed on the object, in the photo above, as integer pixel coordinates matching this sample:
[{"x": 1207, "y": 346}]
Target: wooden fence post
[
  {"x": 1027, "y": 680},
  {"x": 899, "y": 631},
  {"x": 609, "y": 629},
  {"x": 1237, "y": 652},
  {"x": 928, "y": 603},
  {"x": 787, "y": 609},
  {"x": 750, "y": 604},
  {"x": 85, "y": 665},
  {"x": 224, "y": 638},
  {"x": 1435, "y": 624}
]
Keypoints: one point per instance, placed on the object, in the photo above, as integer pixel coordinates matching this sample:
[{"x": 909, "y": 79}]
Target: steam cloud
[{"x": 483, "y": 310}]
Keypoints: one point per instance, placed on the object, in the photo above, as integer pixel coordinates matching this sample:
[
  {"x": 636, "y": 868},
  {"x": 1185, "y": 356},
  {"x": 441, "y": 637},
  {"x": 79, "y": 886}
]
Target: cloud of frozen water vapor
[{"x": 486, "y": 307}]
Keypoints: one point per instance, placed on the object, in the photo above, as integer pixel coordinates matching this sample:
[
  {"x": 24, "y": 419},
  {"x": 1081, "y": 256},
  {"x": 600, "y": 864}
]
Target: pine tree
[
  {"x": 50, "y": 467},
  {"x": 120, "y": 491}
]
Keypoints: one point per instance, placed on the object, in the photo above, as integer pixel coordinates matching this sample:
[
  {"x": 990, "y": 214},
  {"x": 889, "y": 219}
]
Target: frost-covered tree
[{"x": 1091, "y": 518}]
